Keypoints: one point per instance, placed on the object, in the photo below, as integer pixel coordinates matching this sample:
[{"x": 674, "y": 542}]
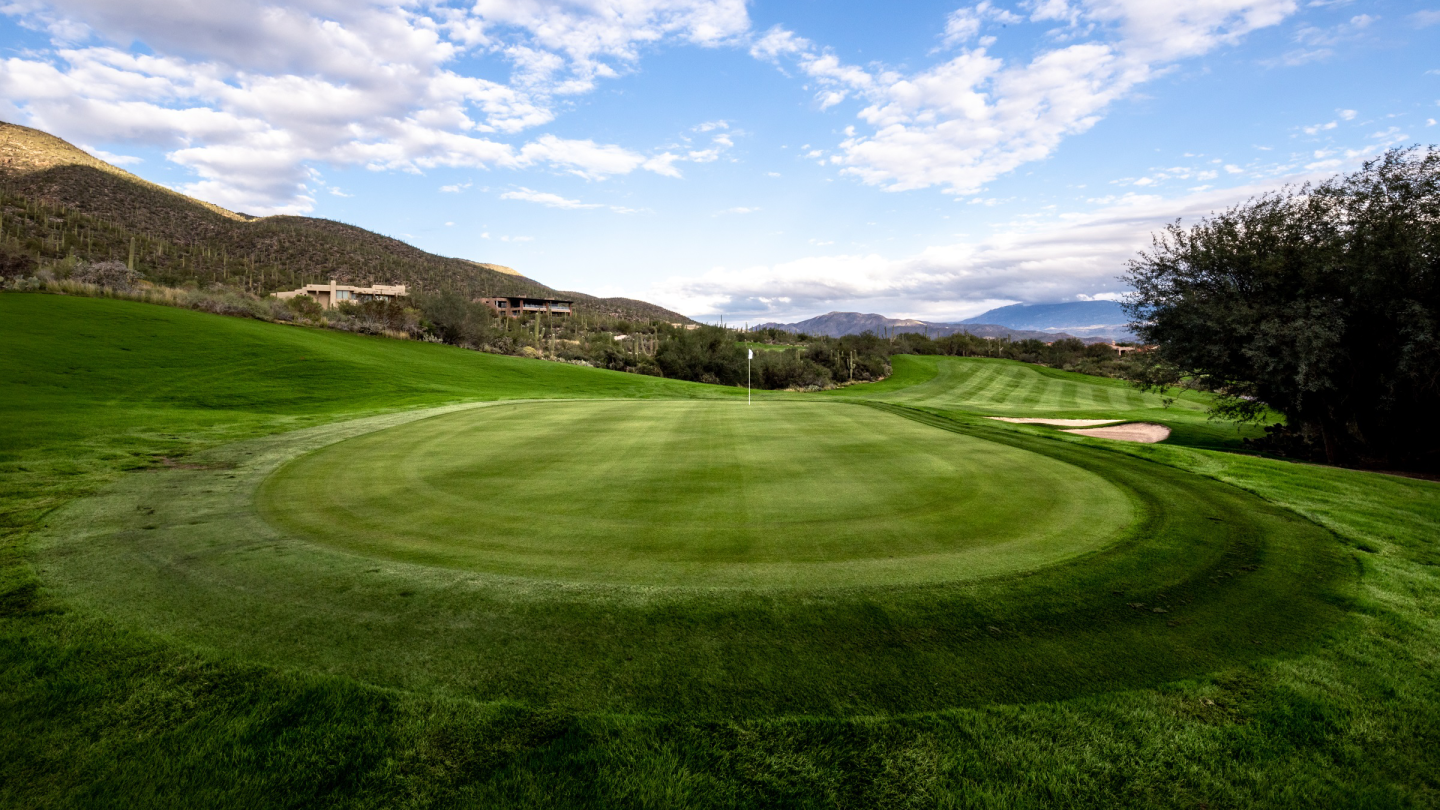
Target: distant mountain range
[
  {"x": 58, "y": 202},
  {"x": 1080, "y": 318},
  {"x": 1091, "y": 321}
]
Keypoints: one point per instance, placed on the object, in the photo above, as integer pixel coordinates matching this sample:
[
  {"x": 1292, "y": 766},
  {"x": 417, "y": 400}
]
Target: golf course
[{"x": 246, "y": 563}]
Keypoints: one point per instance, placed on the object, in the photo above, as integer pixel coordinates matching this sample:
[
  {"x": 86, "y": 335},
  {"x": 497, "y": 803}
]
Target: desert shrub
[
  {"x": 708, "y": 354},
  {"x": 305, "y": 307},
  {"x": 380, "y": 317},
  {"x": 455, "y": 319},
  {"x": 114, "y": 275},
  {"x": 14, "y": 264},
  {"x": 787, "y": 369}
]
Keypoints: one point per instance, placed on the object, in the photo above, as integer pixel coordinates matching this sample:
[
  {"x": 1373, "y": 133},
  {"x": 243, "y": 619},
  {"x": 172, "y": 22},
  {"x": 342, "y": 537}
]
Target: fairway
[{"x": 696, "y": 494}]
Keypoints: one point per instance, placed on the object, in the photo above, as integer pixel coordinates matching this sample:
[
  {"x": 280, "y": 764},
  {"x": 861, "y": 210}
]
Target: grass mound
[{"x": 696, "y": 494}]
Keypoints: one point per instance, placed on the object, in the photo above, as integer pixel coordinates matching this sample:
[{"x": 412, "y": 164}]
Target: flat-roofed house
[
  {"x": 515, "y": 306},
  {"x": 332, "y": 295}
]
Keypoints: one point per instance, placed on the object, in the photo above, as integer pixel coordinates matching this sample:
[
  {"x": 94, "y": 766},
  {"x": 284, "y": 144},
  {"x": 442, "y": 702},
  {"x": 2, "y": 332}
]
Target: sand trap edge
[
  {"x": 1143, "y": 432},
  {"x": 1056, "y": 422}
]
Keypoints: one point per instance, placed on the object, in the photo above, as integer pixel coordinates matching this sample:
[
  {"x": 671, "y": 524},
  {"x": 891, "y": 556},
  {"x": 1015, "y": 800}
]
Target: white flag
[{"x": 752, "y": 355}]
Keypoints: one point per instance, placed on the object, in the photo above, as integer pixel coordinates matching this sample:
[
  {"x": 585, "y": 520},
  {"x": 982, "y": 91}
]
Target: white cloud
[
  {"x": 1063, "y": 257},
  {"x": 583, "y": 158},
  {"x": 1318, "y": 128},
  {"x": 1348, "y": 115},
  {"x": 455, "y": 188},
  {"x": 976, "y": 116},
  {"x": 110, "y": 157},
  {"x": 246, "y": 93},
  {"x": 964, "y": 24},
  {"x": 546, "y": 199},
  {"x": 1425, "y": 19},
  {"x": 718, "y": 145},
  {"x": 663, "y": 164},
  {"x": 556, "y": 201},
  {"x": 1317, "y": 43}
]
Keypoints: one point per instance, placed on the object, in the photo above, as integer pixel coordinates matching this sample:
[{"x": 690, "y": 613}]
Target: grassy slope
[
  {"x": 103, "y": 714},
  {"x": 994, "y": 387},
  {"x": 95, "y": 387}
]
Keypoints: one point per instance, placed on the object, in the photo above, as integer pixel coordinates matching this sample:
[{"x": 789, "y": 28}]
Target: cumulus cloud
[
  {"x": 545, "y": 198},
  {"x": 248, "y": 93},
  {"x": 1317, "y": 43},
  {"x": 976, "y": 116},
  {"x": 1071, "y": 256},
  {"x": 550, "y": 200},
  {"x": 964, "y": 24}
]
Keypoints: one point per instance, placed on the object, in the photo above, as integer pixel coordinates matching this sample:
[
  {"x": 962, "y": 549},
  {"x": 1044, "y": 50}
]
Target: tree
[
  {"x": 1319, "y": 302},
  {"x": 708, "y": 354},
  {"x": 454, "y": 318}
]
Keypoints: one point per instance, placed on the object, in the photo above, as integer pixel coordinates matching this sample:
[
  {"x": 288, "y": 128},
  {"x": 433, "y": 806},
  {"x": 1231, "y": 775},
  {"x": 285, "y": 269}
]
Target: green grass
[
  {"x": 991, "y": 387},
  {"x": 162, "y": 644},
  {"x": 689, "y": 494}
]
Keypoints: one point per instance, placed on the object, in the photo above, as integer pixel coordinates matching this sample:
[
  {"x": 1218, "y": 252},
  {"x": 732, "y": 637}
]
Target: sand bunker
[
  {"x": 1055, "y": 422},
  {"x": 1133, "y": 432}
]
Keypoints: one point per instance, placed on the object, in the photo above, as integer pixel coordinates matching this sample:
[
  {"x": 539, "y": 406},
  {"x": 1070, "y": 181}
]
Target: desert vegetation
[{"x": 60, "y": 207}]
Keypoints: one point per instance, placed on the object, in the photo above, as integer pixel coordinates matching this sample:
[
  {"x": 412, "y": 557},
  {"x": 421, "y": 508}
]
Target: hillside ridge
[{"x": 60, "y": 205}]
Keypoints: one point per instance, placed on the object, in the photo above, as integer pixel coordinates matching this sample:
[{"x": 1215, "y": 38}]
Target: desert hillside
[{"x": 58, "y": 204}]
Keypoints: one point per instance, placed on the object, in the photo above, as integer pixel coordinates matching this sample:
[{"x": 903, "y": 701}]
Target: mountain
[
  {"x": 1080, "y": 318},
  {"x": 59, "y": 204},
  {"x": 838, "y": 324}
]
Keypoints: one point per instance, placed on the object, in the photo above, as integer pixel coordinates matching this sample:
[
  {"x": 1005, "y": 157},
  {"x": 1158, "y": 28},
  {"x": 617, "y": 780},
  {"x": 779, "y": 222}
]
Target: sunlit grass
[{"x": 169, "y": 652}]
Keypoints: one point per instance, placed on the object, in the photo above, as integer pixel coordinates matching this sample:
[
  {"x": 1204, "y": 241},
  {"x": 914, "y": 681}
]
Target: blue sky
[{"x": 751, "y": 161}]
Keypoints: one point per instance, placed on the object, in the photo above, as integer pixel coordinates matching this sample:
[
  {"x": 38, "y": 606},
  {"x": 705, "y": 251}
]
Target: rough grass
[{"x": 176, "y": 692}]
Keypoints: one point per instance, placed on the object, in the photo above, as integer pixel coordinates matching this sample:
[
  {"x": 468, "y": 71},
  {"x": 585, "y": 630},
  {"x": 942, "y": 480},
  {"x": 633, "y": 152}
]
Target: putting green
[{"x": 773, "y": 494}]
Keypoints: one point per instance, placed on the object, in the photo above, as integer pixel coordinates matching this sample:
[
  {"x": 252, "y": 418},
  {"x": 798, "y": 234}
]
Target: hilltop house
[
  {"x": 517, "y": 306},
  {"x": 332, "y": 295}
]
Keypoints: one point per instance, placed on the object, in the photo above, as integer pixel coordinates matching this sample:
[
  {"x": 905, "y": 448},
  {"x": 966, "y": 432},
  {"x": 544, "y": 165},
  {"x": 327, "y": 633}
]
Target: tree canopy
[{"x": 1319, "y": 302}]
